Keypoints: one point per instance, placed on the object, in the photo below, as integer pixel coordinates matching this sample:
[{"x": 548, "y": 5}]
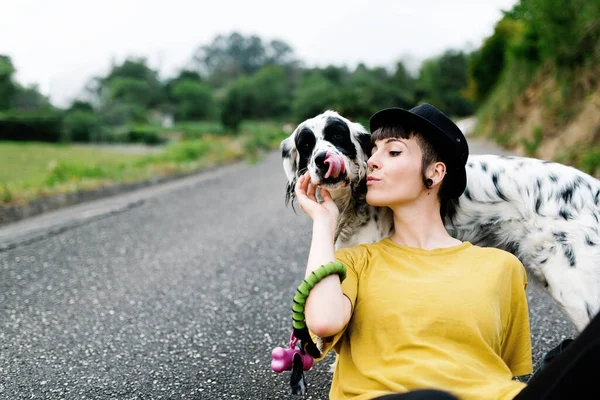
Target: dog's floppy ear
[
  {"x": 289, "y": 155},
  {"x": 364, "y": 139}
]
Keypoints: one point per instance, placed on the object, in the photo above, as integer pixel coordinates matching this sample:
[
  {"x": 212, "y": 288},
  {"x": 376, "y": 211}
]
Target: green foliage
[
  {"x": 314, "y": 95},
  {"x": 79, "y": 105},
  {"x": 262, "y": 137},
  {"x": 568, "y": 31},
  {"x": 363, "y": 92},
  {"x": 403, "y": 86},
  {"x": 585, "y": 157},
  {"x": 590, "y": 161},
  {"x": 268, "y": 93},
  {"x": 184, "y": 151},
  {"x": 196, "y": 129},
  {"x": 193, "y": 99},
  {"x": 487, "y": 63},
  {"x": 128, "y": 92},
  {"x": 7, "y": 86},
  {"x": 82, "y": 126},
  {"x": 132, "y": 70},
  {"x": 43, "y": 126},
  {"x": 131, "y": 91},
  {"x": 532, "y": 146},
  {"x": 118, "y": 114},
  {"x": 229, "y": 57},
  {"x": 442, "y": 82},
  {"x": 263, "y": 95},
  {"x": 235, "y": 106},
  {"x": 239, "y": 78},
  {"x": 65, "y": 171},
  {"x": 30, "y": 98},
  {"x": 142, "y": 134},
  {"x": 501, "y": 100},
  {"x": 5, "y": 194}
]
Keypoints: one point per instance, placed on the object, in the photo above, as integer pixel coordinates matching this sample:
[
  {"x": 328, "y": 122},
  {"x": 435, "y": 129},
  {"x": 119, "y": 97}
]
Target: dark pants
[
  {"x": 573, "y": 374},
  {"x": 419, "y": 395}
]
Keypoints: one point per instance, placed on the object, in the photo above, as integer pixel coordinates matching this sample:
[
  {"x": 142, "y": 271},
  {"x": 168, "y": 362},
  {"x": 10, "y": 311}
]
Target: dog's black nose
[{"x": 320, "y": 160}]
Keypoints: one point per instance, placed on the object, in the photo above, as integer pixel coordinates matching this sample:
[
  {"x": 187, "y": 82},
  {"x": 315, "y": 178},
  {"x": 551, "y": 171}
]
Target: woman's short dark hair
[{"x": 430, "y": 155}]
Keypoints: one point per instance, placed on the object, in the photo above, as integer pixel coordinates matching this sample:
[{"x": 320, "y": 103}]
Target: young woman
[{"x": 420, "y": 314}]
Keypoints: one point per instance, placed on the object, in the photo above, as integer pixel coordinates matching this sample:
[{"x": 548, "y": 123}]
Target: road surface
[{"x": 174, "y": 292}]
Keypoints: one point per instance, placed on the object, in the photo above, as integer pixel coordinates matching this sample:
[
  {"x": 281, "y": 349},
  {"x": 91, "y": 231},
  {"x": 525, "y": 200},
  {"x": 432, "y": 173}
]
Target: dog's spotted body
[{"x": 546, "y": 214}]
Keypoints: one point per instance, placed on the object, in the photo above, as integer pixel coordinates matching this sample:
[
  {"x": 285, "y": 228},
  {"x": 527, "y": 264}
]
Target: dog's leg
[{"x": 577, "y": 292}]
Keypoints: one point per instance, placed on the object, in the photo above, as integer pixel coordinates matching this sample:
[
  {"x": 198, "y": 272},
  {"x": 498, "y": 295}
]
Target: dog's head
[{"x": 333, "y": 149}]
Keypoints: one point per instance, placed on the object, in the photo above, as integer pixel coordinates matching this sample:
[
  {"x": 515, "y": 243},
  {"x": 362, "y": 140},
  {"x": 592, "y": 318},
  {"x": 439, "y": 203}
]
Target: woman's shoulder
[
  {"x": 504, "y": 260},
  {"x": 356, "y": 251},
  {"x": 495, "y": 252},
  {"x": 356, "y": 257}
]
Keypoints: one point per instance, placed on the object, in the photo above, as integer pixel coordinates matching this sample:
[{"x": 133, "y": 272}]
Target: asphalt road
[{"x": 180, "y": 296}]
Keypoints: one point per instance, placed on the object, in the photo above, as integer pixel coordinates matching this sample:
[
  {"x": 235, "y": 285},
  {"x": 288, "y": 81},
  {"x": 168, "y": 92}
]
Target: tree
[
  {"x": 131, "y": 91},
  {"x": 193, "y": 100},
  {"x": 314, "y": 95},
  {"x": 235, "y": 104},
  {"x": 7, "y": 86},
  {"x": 80, "y": 105},
  {"x": 443, "y": 81},
  {"x": 29, "y": 98},
  {"x": 127, "y": 92},
  {"x": 403, "y": 84},
  {"x": 269, "y": 93},
  {"x": 131, "y": 82},
  {"x": 229, "y": 57}
]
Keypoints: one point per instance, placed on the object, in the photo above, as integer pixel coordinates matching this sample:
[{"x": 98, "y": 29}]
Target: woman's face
[{"x": 395, "y": 175}]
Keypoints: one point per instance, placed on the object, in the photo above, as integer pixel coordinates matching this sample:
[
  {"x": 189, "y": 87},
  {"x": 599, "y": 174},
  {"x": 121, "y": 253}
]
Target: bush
[
  {"x": 179, "y": 152},
  {"x": 589, "y": 161},
  {"x": 146, "y": 135},
  {"x": 262, "y": 136},
  {"x": 235, "y": 107},
  {"x": 82, "y": 126},
  {"x": 118, "y": 114},
  {"x": 41, "y": 126}
]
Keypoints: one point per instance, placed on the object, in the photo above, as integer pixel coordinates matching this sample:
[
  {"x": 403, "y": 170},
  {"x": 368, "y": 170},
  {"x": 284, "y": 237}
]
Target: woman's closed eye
[{"x": 395, "y": 153}]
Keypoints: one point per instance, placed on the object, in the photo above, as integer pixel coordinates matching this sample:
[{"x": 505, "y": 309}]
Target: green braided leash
[{"x": 299, "y": 322}]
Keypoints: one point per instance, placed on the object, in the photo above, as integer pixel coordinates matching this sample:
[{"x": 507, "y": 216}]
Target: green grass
[
  {"x": 31, "y": 170},
  {"x": 25, "y": 163}
]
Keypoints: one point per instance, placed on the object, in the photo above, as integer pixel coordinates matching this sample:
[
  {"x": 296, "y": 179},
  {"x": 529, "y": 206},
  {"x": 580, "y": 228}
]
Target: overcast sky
[{"x": 61, "y": 44}]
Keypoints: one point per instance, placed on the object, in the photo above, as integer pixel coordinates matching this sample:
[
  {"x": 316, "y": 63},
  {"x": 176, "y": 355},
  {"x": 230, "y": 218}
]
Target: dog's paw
[{"x": 332, "y": 366}]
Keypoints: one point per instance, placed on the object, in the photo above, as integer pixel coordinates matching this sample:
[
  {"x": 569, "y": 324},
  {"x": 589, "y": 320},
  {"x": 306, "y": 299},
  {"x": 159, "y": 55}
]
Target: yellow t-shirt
[{"x": 453, "y": 318}]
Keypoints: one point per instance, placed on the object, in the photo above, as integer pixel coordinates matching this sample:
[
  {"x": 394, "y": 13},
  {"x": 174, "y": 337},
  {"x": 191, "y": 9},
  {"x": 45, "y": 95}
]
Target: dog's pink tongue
[{"x": 336, "y": 165}]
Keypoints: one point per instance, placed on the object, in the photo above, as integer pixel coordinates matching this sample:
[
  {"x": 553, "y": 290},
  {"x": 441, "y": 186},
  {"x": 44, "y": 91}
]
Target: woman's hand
[{"x": 306, "y": 195}]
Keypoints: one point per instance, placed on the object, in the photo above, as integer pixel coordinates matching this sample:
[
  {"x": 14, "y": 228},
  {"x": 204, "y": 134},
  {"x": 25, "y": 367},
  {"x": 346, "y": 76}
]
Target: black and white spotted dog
[{"x": 546, "y": 214}]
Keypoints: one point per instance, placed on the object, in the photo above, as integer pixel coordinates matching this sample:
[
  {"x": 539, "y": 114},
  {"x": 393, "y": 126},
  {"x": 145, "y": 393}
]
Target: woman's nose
[{"x": 371, "y": 163}]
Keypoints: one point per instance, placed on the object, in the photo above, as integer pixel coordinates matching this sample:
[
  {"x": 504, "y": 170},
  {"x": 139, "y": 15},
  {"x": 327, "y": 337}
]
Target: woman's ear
[{"x": 436, "y": 172}]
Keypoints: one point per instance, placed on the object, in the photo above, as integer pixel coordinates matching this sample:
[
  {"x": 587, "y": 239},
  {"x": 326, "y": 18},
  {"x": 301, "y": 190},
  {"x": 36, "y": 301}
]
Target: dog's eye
[{"x": 338, "y": 136}]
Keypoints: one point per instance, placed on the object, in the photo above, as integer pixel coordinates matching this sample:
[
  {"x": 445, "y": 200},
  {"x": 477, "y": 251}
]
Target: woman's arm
[{"x": 327, "y": 310}]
